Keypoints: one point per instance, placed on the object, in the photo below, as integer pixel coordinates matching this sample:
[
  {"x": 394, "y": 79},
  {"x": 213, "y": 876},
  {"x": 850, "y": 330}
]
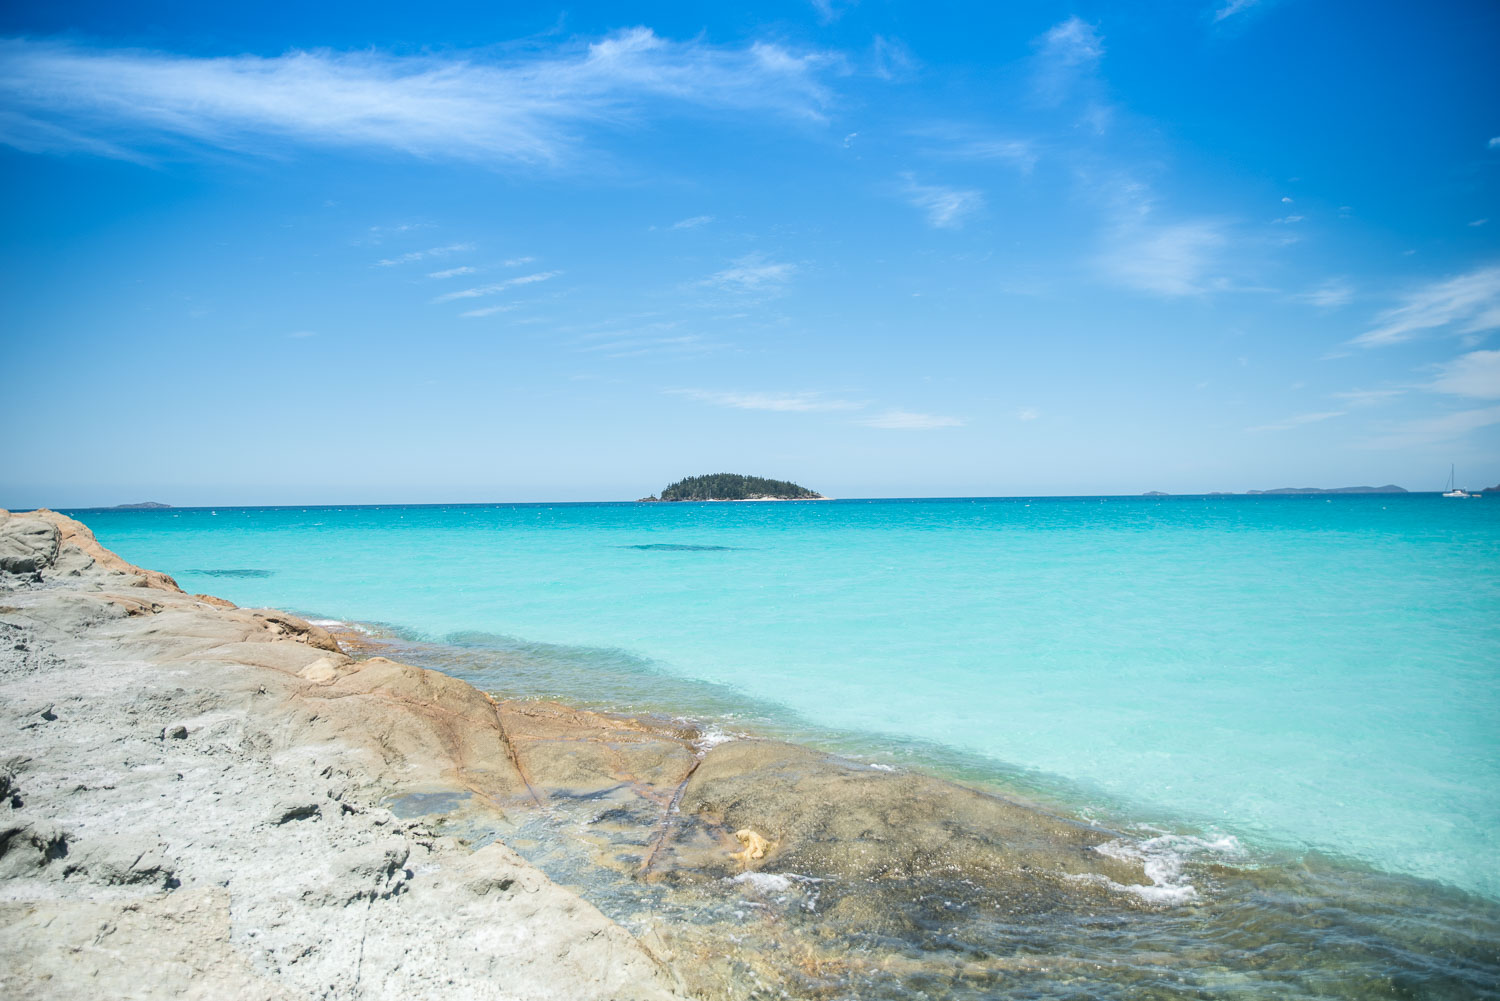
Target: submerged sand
[{"x": 203, "y": 800}]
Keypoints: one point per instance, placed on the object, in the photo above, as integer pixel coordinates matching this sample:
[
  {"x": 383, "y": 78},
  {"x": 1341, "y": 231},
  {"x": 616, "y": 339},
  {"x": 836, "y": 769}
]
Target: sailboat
[{"x": 1453, "y": 489}]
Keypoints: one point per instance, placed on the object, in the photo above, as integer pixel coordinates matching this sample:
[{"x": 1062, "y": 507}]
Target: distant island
[
  {"x": 1389, "y": 488},
  {"x": 733, "y": 487},
  {"x": 142, "y": 506}
]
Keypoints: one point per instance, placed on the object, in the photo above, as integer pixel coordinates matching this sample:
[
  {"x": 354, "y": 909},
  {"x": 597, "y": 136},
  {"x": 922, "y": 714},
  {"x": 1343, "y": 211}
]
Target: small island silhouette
[{"x": 733, "y": 487}]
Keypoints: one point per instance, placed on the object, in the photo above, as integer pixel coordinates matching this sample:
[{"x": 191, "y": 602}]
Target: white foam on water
[
  {"x": 1162, "y": 859},
  {"x": 712, "y": 738},
  {"x": 764, "y": 882},
  {"x": 882, "y": 768},
  {"x": 780, "y": 886}
]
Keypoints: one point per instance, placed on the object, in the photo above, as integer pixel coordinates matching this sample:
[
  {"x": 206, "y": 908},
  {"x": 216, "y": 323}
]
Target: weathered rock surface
[{"x": 190, "y": 808}]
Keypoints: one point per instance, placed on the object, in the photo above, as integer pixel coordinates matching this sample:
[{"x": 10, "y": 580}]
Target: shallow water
[{"x": 1312, "y": 676}]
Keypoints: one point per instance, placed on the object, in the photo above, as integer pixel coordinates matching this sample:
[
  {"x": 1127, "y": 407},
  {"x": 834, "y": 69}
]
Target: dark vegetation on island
[{"x": 733, "y": 486}]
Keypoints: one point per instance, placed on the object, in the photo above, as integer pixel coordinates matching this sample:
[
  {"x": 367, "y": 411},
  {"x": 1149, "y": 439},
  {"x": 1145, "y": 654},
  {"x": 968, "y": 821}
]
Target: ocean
[{"x": 1275, "y": 678}]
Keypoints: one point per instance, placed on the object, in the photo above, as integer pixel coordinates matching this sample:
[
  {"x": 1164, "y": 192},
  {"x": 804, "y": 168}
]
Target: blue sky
[{"x": 305, "y": 253}]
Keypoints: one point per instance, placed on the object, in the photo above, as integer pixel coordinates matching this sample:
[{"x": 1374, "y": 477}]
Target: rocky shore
[{"x": 204, "y": 801}]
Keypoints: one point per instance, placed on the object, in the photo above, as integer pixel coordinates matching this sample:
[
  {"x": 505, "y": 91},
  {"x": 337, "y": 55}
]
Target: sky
[{"x": 325, "y": 253}]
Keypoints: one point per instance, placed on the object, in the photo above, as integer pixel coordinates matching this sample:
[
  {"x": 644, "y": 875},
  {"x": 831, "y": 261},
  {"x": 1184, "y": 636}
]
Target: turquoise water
[{"x": 1303, "y": 673}]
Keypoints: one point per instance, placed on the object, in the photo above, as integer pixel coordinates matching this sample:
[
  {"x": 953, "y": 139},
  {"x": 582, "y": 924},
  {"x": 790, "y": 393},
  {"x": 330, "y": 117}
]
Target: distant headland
[
  {"x": 1389, "y": 488},
  {"x": 142, "y": 506},
  {"x": 733, "y": 487}
]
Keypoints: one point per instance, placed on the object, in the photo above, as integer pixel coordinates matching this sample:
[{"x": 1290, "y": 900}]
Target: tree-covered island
[{"x": 733, "y": 487}]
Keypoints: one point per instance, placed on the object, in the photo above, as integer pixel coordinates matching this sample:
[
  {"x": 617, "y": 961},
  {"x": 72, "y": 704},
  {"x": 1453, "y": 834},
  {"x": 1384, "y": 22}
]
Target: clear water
[{"x": 1305, "y": 673}]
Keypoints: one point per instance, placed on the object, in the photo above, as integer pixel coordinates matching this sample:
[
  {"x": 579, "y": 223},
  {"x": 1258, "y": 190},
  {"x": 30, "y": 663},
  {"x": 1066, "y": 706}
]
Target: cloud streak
[
  {"x": 1301, "y": 420},
  {"x": 906, "y": 420},
  {"x": 945, "y": 208},
  {"x": 775, "y": 402},
  {"x": 1476, "y": 374},
  {"x": 752, "y": 274},
  {"x": 419, "y": 255},
  {"x": 1068, "y": 52},
  {"x": 491, "y": 289},
  {"x": 132, "y": 104},
  {"x": 1171, "y": 259},
  {"x": 1467, "y": 304}
]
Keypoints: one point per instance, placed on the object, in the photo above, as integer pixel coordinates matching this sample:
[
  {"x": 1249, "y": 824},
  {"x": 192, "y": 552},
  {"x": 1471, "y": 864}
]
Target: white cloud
[
  {"x": 752, "y": 275},
  {"x": 531, "y": 109},
  {"x": 1467, "y": 304},
  {"x": 693, "y": 223},
  {"x": 1288, "y": 220},
  {"x": 1171, "y": 260},
  {"x": 905, "y": 420},
  {"x": 516, "y": 262},
  {"x": 1234, "y": 7},
  {"x": 1478, "y": 222},
  {"x": 1299, "y": 420},
  {"x": 452, "y": 272},
  {"x": 1028, "y": 414},
  {"x": 1329, "y": 295},
  {"x": 474, "y": 293},
  {"x": 1367, "y": 397},
  {"x": 1068, "y": 51},
  {"x": 959, "y": 142},
  {"x": 488, "y": 311},
  {"x": 829, "y": 11},
  {"x": 1428, "y": 431},
  {"x": 417, "y": 255},
  {"x": 891, "y": 58},
  {"x": 1495, "y": 142},
  {"x": 1475, "y": 374},
  {"x": 779, "y": 402},
  {"x": 946, "y": 208}
]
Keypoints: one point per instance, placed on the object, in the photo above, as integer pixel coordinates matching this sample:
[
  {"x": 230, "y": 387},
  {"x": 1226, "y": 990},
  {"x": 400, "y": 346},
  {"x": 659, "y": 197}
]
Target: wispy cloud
[
  {"x": 945, "y": 208},
  {"x": 516, "y": 262},
  {"x": 829, "y": 11},
  {"x": 1329, "y": 295},
  {"x": 955, "y": 141},
  {"x": 1234, "y": 7},
  {"x": 1428, "y": 431},
  {"x": 692, "y": 222},
  {"x": 1300, "y": 420},
  {"x": 1172, "y": 259},
  {"x": 1367, "y": 397},
  {"x": 891, "y": 59},
  {"x": 302, "y": 334},
  {"x": 779, "y": 402},
  {"x": 488, "y": 311},
  {"x": 1067, "y": 52},
  {"x": 1476, "y": 374},
  {"x": 531, "y": 109},
  {"x": 1467, "y": 304},
  {"x": 1028, "y": 414},
  {"x": 418, "y": 255},
  {"x": 452, "y": 272},
  {"x": 906, "y": 420},
  {"x": 752, "y": 274},
  {"x": 476, "y": 292}
]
